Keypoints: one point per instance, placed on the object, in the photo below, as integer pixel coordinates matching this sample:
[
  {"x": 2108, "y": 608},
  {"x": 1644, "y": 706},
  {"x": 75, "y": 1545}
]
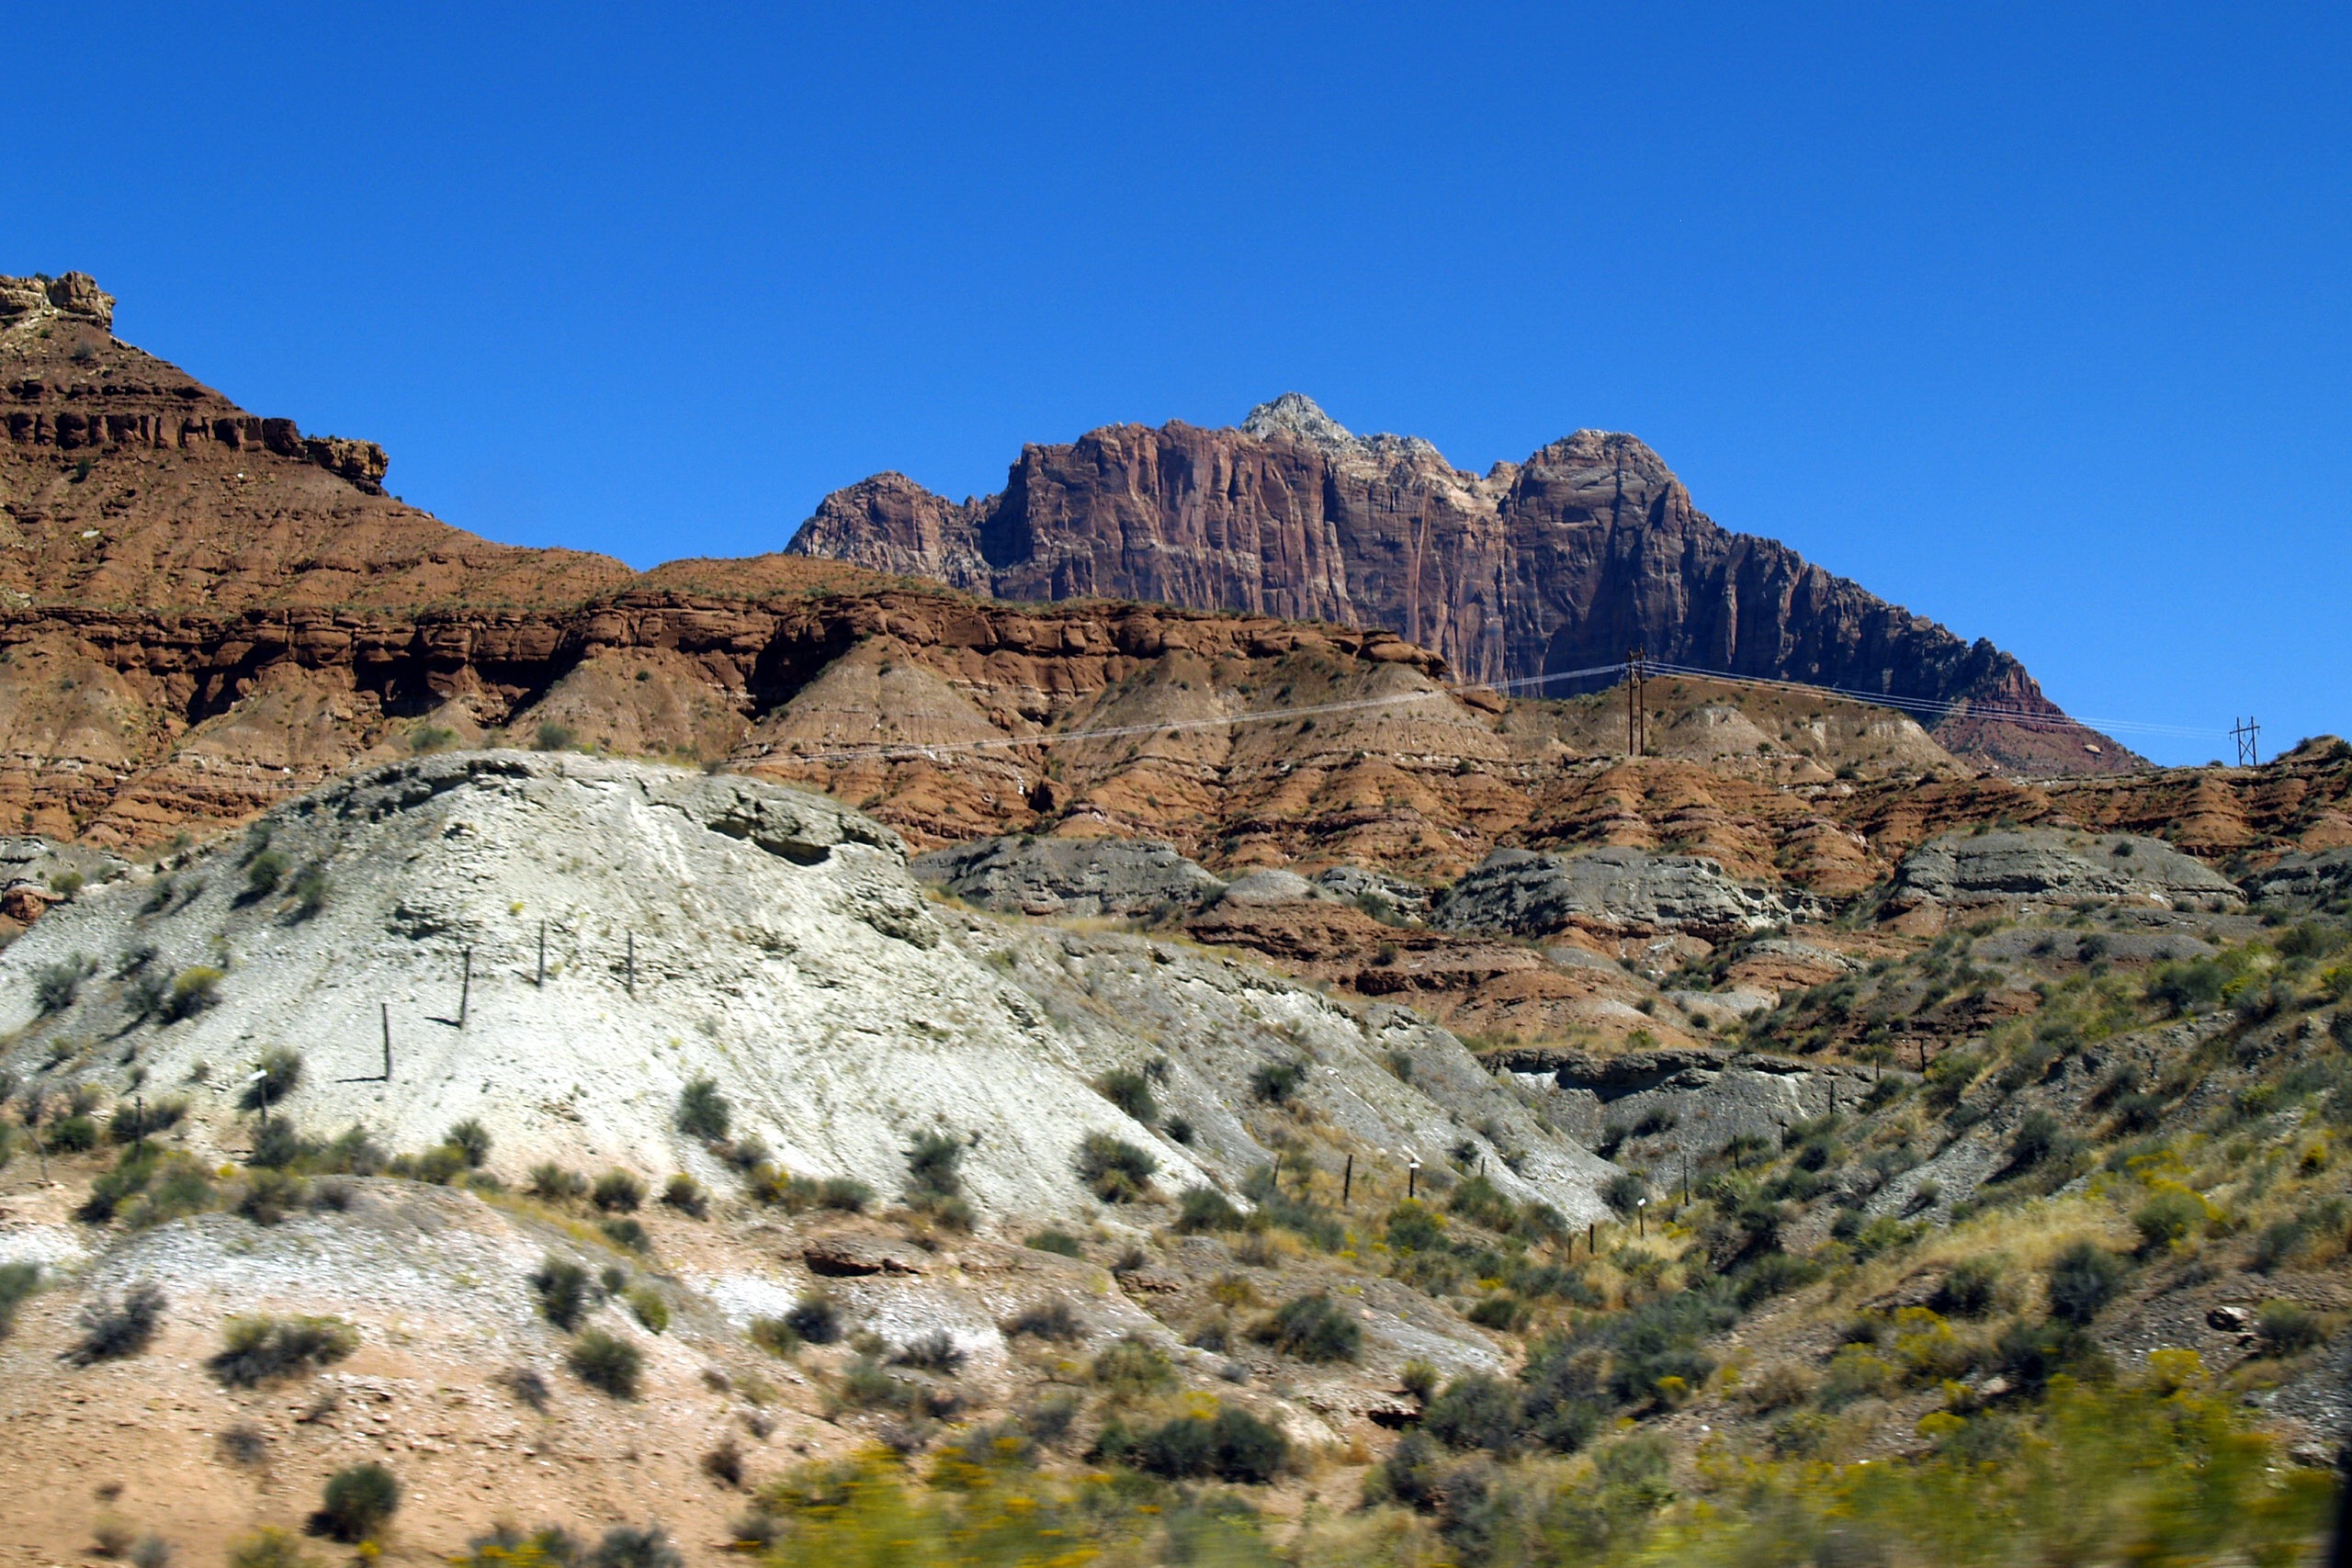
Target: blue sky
[{"x": 2034, "y": 319}]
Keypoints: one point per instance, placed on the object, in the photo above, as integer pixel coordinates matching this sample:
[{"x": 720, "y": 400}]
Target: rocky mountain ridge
[{"x": 1565, "y": 562}]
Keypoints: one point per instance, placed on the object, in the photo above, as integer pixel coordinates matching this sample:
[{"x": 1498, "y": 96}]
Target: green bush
[
  {"x": 1206, "y": 1209},
  {"x": 554, "y": 736},
  {"x": 268, "y": 1197},
  {"x": 626, "y": 1233},
  {"x": 1276, "y": 1082},
  {"x": 685, "y": 1194},
  {"x": 1060, "y": 1243},
  {"x": 1313, "y": 1328},
  {"x": 310, "y": 888},
  {"x": 563, "y": 1290},
  {"x": 552, "y": 1182},
  {"x": 72, "y": 1136},
  {"x": 472, "y": 1139},
  {"x": 1477, "y": 1412},
  {"x": 1970, "y": 1288},
  {"x": 645, "y": 1304},
  {"x": 1050, "y": 1319},
  {"x": 608, "y": 1365},
  {"x": 259, "y": 1349},
  {"x": 1624, "y": 1193},
  {"x": 2286, "y": 1327},
  {"x": 2168, "y": 1216},
  {"x": 934, "y": 1166},
  {"x": 816, "y": 1318},
  {"x": 56, "y": 985},
  {"x": 617, "y": 1191},
  {"x": 263, "y": 874},
  {"x": 357, "y": 1503},
  {"x": 113, "y": 1329},
  {"x": 280, "y": 1072},
  {"x": 1132, "y": 1366},
  {"x": 703, "y": 1112},
  {"x": 18, "y": 1281},
  {"x": 1231, "y": 1445},
  {"x": 192, "y": 990},
  {"x": 775, "y": 1336},
  {"x": 2083, "y": 1279},
  {"x": 1131, "y": 1092},
  {"x": 1115, "y": 1170}
]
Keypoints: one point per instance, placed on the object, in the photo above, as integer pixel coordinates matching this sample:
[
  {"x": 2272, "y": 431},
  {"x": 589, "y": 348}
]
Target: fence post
[
  {"x": 386, "y": 1008},
  {"x": 466, "y": 989},
  {"x": 542, "y": 979},
  {"x": 1348, "y": 1182},
  {"x": 632, "y": 965}
]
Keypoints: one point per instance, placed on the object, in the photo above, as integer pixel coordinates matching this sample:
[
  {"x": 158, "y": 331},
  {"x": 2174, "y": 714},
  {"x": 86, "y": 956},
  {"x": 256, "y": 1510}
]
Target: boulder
[{"x": 1618, "y": 890}]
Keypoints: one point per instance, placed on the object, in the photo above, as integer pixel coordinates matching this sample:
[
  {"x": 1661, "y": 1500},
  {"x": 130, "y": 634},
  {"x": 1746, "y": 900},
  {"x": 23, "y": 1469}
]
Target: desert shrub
[
  {"x": 263, "y": 874},
  {"x": 865, "y": 1386},
  {"x": 1206, "y": 1209},
  {"x": 472, "y": 1139},
  {"x": 17, "y": 1283},
  {"x": 1502, "y": 1313},
  {"x": 685, "y": 1194},
  {"x": 1115, "y": 1170},
  {"x": 311, "y": 888},
  {"x": 552, "y": 1182},
  {"x": 1132, "y": 1366},
  {"x": 1477, "y": 1412},
  {"x": 55, "y": 986},
  {"x": 2083, "y": 1279},
  {"x": 73, "y": 1135},
  {"x": 257, "y": 1349},
  {"x": 146, "y": 995},
  {"x": 1050, "y": 1319},
  {"x": 243, "y": 1444},
  {"x": 2181, "y": 988},
  {"x": 703, "y": 1112},
  {"x": 933, "y": 1352},
  {"x": 279, "y": 1074},
  {"x": 134, "y": 1121},
  {"x": 626, "y": 1233},
  {"x": 192, "y": 990},
  {"x": 1060, "y": 1243},
  {"x": 845, "y": 1193},
  {"x": 1276, "y": 1082},
  {"x": 634, "y": 1546},
  {"x": 1179, "y": 1130},
  {"x": 2286, "y": 1327},
  {"x": 357, "y": 1503},
  {"x": 816, "y": 1317},
  {"x": 553, "y": 736},
  {"x": 1776, "y": 1387},
  {"x": 775, "y": 1336},
  {"x": 1970, "y": 1288},
  {"x": 1131, "y": 1092},
  {"x": 724, "y": 1463},
  {"x": 645, "y": 1304},
  {"x": 2168, "y": 1216},
  {"x": 617, "y": 1191},
  {"x": 608, "y": 1365},
  {"x": 1230, "y": 1445},
  {"x": 269, "y": 1196},
  {"x": 113, "y": 1329},
  {"x": 934, "y": 1167},
  {"x": 1774, "y": 1274},
  {"x": 269, "y": 1548},
  {"x": 278, "y": 1145},
  {"x": 1313, "y": 1328},
  {"x": 1625, "y": 1192},
  {"x": 564, "y": 1292}
]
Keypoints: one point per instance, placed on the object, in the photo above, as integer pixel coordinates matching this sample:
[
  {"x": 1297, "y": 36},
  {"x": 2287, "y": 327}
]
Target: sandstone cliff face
[{"x": 1563, "y": 562}]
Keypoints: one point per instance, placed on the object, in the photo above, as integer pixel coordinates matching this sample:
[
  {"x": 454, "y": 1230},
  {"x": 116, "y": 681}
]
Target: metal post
[
  {"x": 1642, "y": 1215},
  {"x": 632, "y": 964},
  {"x": 1412, "y": 1180},
  {"x": 139, "y": 1109},
  {"x": 466, "y": 987},
  {"x": 1348, "y": 1182},
  {"x": 543, "y": 955},
  {"x": 386, "y": 1008},
  {"x": 1592, "y": 1238}
]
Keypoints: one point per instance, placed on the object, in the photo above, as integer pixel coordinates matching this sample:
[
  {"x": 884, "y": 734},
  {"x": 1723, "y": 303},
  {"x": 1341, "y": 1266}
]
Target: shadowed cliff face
[{"x": 1590, "y": 548}]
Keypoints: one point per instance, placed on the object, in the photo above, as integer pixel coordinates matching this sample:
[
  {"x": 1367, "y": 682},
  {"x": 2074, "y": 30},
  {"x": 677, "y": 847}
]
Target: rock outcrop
[
  {"x": 1078, "y": 877},
  {"x": 702, "y": 927},
  {"x": 1561, "y": 562},
  {"x": 1611, "y": 889},
  {"x": 2051, "y": 865}
]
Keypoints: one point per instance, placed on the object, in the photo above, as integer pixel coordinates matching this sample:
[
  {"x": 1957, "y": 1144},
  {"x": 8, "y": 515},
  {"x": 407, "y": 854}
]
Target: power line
[{"x": 1635, "y": 668}]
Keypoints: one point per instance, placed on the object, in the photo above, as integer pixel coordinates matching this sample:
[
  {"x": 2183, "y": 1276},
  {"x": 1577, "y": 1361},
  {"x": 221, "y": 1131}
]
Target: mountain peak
[{"x": 1301, "y": 418}]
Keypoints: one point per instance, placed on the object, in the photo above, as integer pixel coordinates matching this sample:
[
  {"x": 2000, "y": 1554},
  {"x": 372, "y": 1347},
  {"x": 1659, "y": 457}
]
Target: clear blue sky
[{"x": 2034, "y": 319}]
